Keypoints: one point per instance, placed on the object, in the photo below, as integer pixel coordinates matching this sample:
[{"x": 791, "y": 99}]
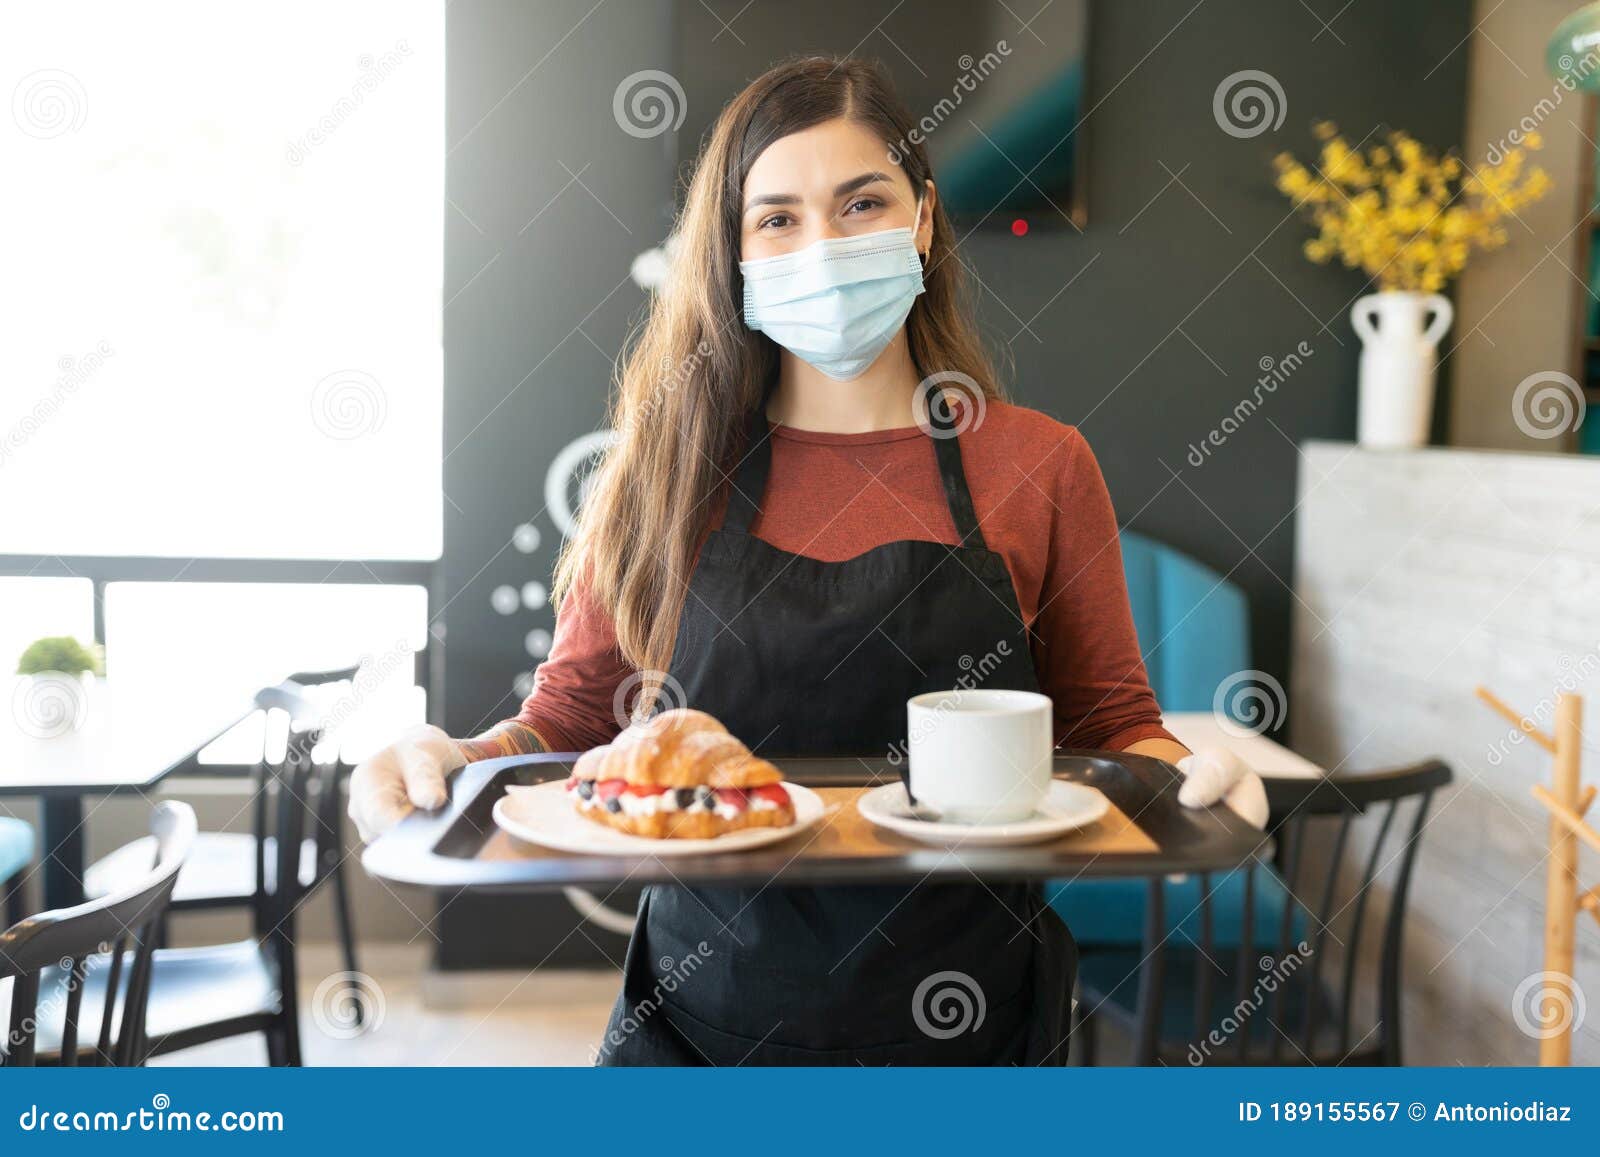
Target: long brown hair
[{"x": 691, "y": 381}]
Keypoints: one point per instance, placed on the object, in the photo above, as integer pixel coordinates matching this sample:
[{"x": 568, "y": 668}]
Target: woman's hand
[
  {"x": 1215, "y": 774},
  {"x": 409, "y": 773}
]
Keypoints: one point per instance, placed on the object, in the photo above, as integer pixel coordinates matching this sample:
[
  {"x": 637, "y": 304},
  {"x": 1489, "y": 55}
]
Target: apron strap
[
  {"x": 750, "y": 477},
  {"x": 750, "y": 481},
  {"x": 947, "y": 447}
]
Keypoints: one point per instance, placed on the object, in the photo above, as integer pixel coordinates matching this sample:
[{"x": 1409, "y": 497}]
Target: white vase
[{"x": 1399, "y": 360}]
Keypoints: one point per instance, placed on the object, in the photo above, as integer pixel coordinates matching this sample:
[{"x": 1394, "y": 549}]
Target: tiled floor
[
  {"x": 550, "y": 1017},
  {"x": 547, "y": 1018}
]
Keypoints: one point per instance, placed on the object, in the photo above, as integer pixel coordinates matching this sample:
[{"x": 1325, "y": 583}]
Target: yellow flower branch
[{"x": 1406, "y": 217}]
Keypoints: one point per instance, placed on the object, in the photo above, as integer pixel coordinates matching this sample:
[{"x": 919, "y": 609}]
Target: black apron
[{"x": 802, "y": 657}]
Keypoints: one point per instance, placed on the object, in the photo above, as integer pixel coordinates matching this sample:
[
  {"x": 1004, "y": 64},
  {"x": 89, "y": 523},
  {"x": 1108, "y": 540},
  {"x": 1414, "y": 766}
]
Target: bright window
[
  {"x": 223, "y": 242},
  {"x": 224, "y": 641}
]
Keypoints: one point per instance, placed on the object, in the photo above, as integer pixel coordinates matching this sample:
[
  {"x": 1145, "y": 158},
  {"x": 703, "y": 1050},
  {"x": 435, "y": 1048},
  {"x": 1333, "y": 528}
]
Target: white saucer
[
  {"x": 543, "y": 814},
  {"x": 1066, "y": 807}
]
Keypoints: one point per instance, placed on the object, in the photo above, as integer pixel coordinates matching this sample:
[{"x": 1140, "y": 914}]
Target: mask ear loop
[{"x": 916, "y": 225}]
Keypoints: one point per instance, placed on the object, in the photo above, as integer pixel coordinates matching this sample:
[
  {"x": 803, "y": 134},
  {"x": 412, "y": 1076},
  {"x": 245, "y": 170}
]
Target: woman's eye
[
  {"x": 864, "y": 204},
  {"x": 776, "y": 221}
]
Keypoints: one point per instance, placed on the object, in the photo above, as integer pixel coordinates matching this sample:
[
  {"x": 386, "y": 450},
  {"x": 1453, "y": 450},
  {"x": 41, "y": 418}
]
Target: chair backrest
[
  {"x": 116, "y": 932},
  {"x": 291, "y": 790},
  {"x": 296, "y": 778},
  {"x": 1193, "y": 625},
  {"x": 1292, "y": 997},
  {"x": 324, "y": 794}
]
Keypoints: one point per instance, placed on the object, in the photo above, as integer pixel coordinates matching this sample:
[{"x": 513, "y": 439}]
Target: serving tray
[{"x": 1145, "y": 832}]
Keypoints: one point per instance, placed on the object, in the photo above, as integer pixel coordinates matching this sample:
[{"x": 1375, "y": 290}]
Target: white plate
[
  {"x": 543, "y": 814},
  {"x": 1066, "y": 807}
]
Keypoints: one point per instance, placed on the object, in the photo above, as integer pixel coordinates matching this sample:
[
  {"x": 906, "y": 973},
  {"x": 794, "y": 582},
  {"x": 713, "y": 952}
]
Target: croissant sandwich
[{"x": 681, "y": 775}]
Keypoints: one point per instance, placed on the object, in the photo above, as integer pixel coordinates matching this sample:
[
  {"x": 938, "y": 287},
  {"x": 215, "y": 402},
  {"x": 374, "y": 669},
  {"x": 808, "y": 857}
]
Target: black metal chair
[
  {"x": 213, "y": 992},
  {"x": 1188, "y": 1002},
  {"x": 238, "y": 869},
  {"x": 201, "y": 994},
  {"x": 209, "y": 993},
  {"x": 102, "y": 949}
]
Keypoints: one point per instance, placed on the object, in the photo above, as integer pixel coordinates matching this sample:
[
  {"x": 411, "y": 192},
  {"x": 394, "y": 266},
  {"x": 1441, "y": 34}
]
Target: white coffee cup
[{"x": 979, "y": 756}]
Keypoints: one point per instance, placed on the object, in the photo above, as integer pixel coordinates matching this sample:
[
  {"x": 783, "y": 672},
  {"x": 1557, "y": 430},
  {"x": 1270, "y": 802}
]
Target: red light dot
[{"x": 1019, "y": 228}]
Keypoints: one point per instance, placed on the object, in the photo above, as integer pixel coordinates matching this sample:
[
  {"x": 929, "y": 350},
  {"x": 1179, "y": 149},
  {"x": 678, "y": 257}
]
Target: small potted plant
[
  {"x": 1408, "y": 219},
  {"x": 52, "y": 697}
]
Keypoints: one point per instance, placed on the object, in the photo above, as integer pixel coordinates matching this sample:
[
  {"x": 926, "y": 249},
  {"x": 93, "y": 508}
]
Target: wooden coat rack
[{"x": 1567, "y": 800}]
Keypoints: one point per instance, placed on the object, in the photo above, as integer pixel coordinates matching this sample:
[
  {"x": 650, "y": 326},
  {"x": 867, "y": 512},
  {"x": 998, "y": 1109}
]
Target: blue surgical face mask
[{"x": 836, "y": 304}]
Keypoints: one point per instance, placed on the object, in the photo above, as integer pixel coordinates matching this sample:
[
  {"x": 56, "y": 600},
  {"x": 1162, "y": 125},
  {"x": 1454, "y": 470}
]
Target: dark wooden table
[{"x": 459, "y": 847}]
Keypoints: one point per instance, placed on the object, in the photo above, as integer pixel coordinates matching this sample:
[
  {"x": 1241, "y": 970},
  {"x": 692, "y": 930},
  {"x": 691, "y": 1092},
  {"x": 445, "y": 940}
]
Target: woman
[{"x": 795, "y": 534}]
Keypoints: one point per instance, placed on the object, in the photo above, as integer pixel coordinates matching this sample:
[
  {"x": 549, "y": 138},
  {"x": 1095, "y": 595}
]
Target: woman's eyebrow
[
  {"x": 848, "y": 187},
  {"x": 860, "y": 182},
  {"x": 771, "y": 199}
]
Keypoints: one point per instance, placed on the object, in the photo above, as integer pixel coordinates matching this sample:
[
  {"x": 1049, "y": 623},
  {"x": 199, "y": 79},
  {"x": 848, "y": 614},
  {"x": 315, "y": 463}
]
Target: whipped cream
[
  {"x": 665, "y": 801},
  {"x": 648, "y": 805}
]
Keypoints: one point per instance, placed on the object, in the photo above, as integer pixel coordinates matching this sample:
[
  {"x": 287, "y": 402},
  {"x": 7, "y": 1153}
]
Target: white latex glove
[
  {"x": 1215, "y": 774},
  {"x": 410, "y": 772}
]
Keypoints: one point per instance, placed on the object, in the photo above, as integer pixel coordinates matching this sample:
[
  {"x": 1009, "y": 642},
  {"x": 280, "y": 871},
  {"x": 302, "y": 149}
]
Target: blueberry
[
  {"x": 685, "y": 796},
  {"x": 585, "y": 788},
  {"x": 706, "y": 797},
  {"x": 613, "y": 805}
]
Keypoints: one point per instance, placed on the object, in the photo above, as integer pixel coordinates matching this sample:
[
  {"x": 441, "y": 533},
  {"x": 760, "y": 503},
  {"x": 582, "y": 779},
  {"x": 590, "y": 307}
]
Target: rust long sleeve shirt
[{"x": 1042, "y": 505}]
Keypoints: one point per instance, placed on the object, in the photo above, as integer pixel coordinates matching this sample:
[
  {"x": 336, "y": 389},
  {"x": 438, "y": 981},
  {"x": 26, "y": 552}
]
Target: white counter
[{"x": 1419, "y": 575}]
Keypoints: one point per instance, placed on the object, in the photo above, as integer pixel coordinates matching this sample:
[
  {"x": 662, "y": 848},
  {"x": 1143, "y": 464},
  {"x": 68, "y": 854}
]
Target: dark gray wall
[
  {"x": 1191, "y": 247},
  {"x": 548, "y": 203},
  {"x": 1188, "y": 250}
]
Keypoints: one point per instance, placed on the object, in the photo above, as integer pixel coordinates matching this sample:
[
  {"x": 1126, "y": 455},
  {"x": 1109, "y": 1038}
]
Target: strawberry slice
[
  {"x": 773, "y": 793},
  {"x": 644, "y": 789},
  {"x": 610, "y": 788},
  {"x": 733, "y": 797}
]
